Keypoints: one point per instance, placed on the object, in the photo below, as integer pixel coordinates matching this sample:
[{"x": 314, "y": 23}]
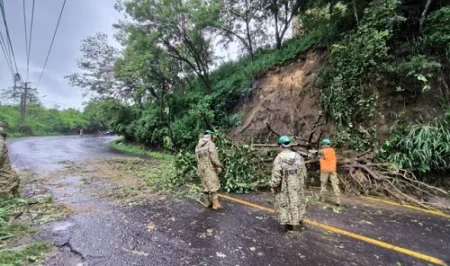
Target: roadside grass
[
  {"x": 17, "y": 215},
  {"x": 160, "y": 176},
  {"x": 139, "y": 150},
  {"x": 9, "y": 209},
  {"x": 28, "y": 254}
]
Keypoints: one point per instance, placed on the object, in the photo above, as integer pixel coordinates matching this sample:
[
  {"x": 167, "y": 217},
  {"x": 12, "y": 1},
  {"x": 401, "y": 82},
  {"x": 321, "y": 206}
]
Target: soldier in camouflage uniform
[
  {"x": 9, "y": 181},
  {"x": 288, "y": 181},
  {"x": 209, "y": 167}
]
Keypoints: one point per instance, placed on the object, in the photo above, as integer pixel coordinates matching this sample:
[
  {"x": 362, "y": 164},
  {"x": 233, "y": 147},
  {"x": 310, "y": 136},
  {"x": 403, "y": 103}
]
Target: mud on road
[{"x": 118, "y": 220}]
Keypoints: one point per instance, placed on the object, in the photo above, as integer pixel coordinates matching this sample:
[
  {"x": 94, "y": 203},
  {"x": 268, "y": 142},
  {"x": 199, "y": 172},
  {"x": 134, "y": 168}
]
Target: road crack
[{"x": 73, "y": 250}]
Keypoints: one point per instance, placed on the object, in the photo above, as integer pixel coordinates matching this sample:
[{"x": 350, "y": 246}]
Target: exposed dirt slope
[{"x": 286, "y": 99}]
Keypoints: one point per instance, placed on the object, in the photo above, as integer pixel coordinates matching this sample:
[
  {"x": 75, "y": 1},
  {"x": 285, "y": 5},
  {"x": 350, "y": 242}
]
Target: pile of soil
[{"x": 285, "y": 98}]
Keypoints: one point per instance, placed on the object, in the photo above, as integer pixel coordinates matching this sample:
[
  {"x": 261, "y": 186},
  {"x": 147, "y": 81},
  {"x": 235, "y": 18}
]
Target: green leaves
[
  {"x": 419, "y": 147},
  {"x": 346, "y": 81},
  {"x": 242, "y": 164},
  {"x": 438, "y": 32}
]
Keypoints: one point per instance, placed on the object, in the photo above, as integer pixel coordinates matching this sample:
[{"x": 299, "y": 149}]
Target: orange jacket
[{"x": 328, "y": 163}]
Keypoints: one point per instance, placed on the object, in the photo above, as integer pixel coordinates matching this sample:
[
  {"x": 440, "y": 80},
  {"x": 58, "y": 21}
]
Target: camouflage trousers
[
  {"x": 332, "y": 176},
  {"x": 210, "y": 196},
  {"x": 9, "y": 183}
]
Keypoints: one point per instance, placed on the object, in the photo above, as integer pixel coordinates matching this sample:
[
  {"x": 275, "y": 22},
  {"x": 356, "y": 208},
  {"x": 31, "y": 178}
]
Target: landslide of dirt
[{"x": 286, "y": 99}]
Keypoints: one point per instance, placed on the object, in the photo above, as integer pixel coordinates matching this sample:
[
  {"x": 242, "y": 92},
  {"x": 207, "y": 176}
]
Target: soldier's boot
[
  {"x": 206, "y": 200},
  {"x": 338, "y": 200},
  {"x": 15, "y": 192},
  {"x": 216, "y": 204},
  {"x": 301, "y": 226},
  {"x": 288, "y": 228}
]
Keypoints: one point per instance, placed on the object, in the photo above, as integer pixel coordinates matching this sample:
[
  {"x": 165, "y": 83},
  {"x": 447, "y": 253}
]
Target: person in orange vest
[{"x": 328, "y": 165}]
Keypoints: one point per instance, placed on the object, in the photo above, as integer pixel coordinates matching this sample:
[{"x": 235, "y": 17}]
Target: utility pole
[
  {"x": 24, "y": 101},
  {"x": 23, "y": 106}
]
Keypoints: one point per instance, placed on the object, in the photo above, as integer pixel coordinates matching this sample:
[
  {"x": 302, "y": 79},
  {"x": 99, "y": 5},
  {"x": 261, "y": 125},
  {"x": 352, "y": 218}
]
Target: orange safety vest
[{"x": 328, "y": 162}]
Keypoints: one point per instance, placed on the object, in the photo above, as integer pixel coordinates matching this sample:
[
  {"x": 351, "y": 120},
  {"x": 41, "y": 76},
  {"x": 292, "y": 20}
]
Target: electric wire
[
  {"x": 25, "y": 26},
  {"x": 5, "y": 53},
  {"x": 51, "y": 44},
  {"x": 8, "y": 36},
  {"x": 30, "y": 40}
]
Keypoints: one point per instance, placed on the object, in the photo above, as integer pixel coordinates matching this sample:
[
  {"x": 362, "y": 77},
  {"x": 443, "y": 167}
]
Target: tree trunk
[
  {"x": 161, "y": 104},
  {"x": 424, "y": 14},
  {"x": 247, "y": 25},
  {"x": 331, "y": 11},
  {"x": 249, "y": 39},
  {"x": 355, "y": 11},
  {"x": 277, "y": 33}
]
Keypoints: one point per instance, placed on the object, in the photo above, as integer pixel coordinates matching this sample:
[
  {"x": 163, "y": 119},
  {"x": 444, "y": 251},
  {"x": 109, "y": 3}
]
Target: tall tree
[
  {"x": 180, "y": 27},
  {"x": 13, "y": 95},
  {"x": 282, "y": 12},
  {"x": 97, "y": 68},
  {"x": 149, "y": 69},
  {"x": 241, "y": 20}
]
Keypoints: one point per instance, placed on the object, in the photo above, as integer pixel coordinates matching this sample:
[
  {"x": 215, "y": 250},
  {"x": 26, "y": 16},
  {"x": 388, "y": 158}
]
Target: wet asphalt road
[
  {"x": 181, "y": 232},
  {"x": 45, "y": 154}
]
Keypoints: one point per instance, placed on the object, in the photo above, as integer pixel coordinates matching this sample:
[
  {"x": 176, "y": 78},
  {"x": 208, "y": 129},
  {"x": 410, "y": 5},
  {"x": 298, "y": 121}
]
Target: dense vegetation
[
  {"x": 42, "y": 121},
  {"x": 161, "y": 91}
]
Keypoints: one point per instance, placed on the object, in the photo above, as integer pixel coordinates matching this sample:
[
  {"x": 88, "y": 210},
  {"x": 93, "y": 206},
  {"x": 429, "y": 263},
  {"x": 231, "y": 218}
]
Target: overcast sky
[{"x": 81, "y": 18}]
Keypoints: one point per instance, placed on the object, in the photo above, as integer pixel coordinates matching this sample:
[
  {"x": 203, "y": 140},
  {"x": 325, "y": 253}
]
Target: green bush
[
  {"x": 438, "y": 31},
  {"x": 186, "y": 166},
  {"x": 419, "y": 147},
  {"x": 348, "y": 94},
  {"x": 46, "y": 121},
  {"x": 139, "y": 150},
  {"x": 242, "y": 164}
]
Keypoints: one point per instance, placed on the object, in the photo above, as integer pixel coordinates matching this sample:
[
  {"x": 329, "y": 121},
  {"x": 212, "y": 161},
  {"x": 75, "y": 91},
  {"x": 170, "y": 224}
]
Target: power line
[
  {"x": 29, "y": 42},
  {"x": 26, "y": 33},
  {"x": 5, "y": 53},
  {"x": 51, "y": 45},
  {"x": 7, "y": 49},
  {"x": 8, "y": 36}
]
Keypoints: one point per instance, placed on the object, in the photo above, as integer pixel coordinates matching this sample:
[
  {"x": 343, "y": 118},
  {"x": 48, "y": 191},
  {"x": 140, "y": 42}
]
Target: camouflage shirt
[
  {"x": 207, "y": 163},
  {"x": 8, "y": 178},
  {"x": 288, "y": 178}
]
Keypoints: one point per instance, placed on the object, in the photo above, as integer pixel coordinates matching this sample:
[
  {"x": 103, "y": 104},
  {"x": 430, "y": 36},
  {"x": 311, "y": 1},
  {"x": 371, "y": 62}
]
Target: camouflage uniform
[
  {"x": 207, "y": 163},
  {"x": 288, "y": 178},
  {"x": 9, "y": 181}
]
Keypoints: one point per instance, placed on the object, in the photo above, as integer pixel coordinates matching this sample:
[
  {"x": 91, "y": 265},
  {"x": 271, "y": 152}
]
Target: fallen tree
[
  {"x": 360, "y": 175},
  {"x": 388, "y": 180}
]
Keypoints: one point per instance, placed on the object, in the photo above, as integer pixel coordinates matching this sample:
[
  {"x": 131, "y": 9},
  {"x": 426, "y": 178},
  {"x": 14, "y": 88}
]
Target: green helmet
[
  {"x": 284, "y": 141},
  {"x": 208, "y": 132},
  {"x": 326, "y": 142}
]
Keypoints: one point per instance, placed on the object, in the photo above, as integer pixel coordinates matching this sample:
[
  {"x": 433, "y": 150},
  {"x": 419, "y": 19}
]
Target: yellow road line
[
  {"x": 243, "y": 202},
  {"x": 347, "y": 233},
  {"x": 439, "y": 213}
]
